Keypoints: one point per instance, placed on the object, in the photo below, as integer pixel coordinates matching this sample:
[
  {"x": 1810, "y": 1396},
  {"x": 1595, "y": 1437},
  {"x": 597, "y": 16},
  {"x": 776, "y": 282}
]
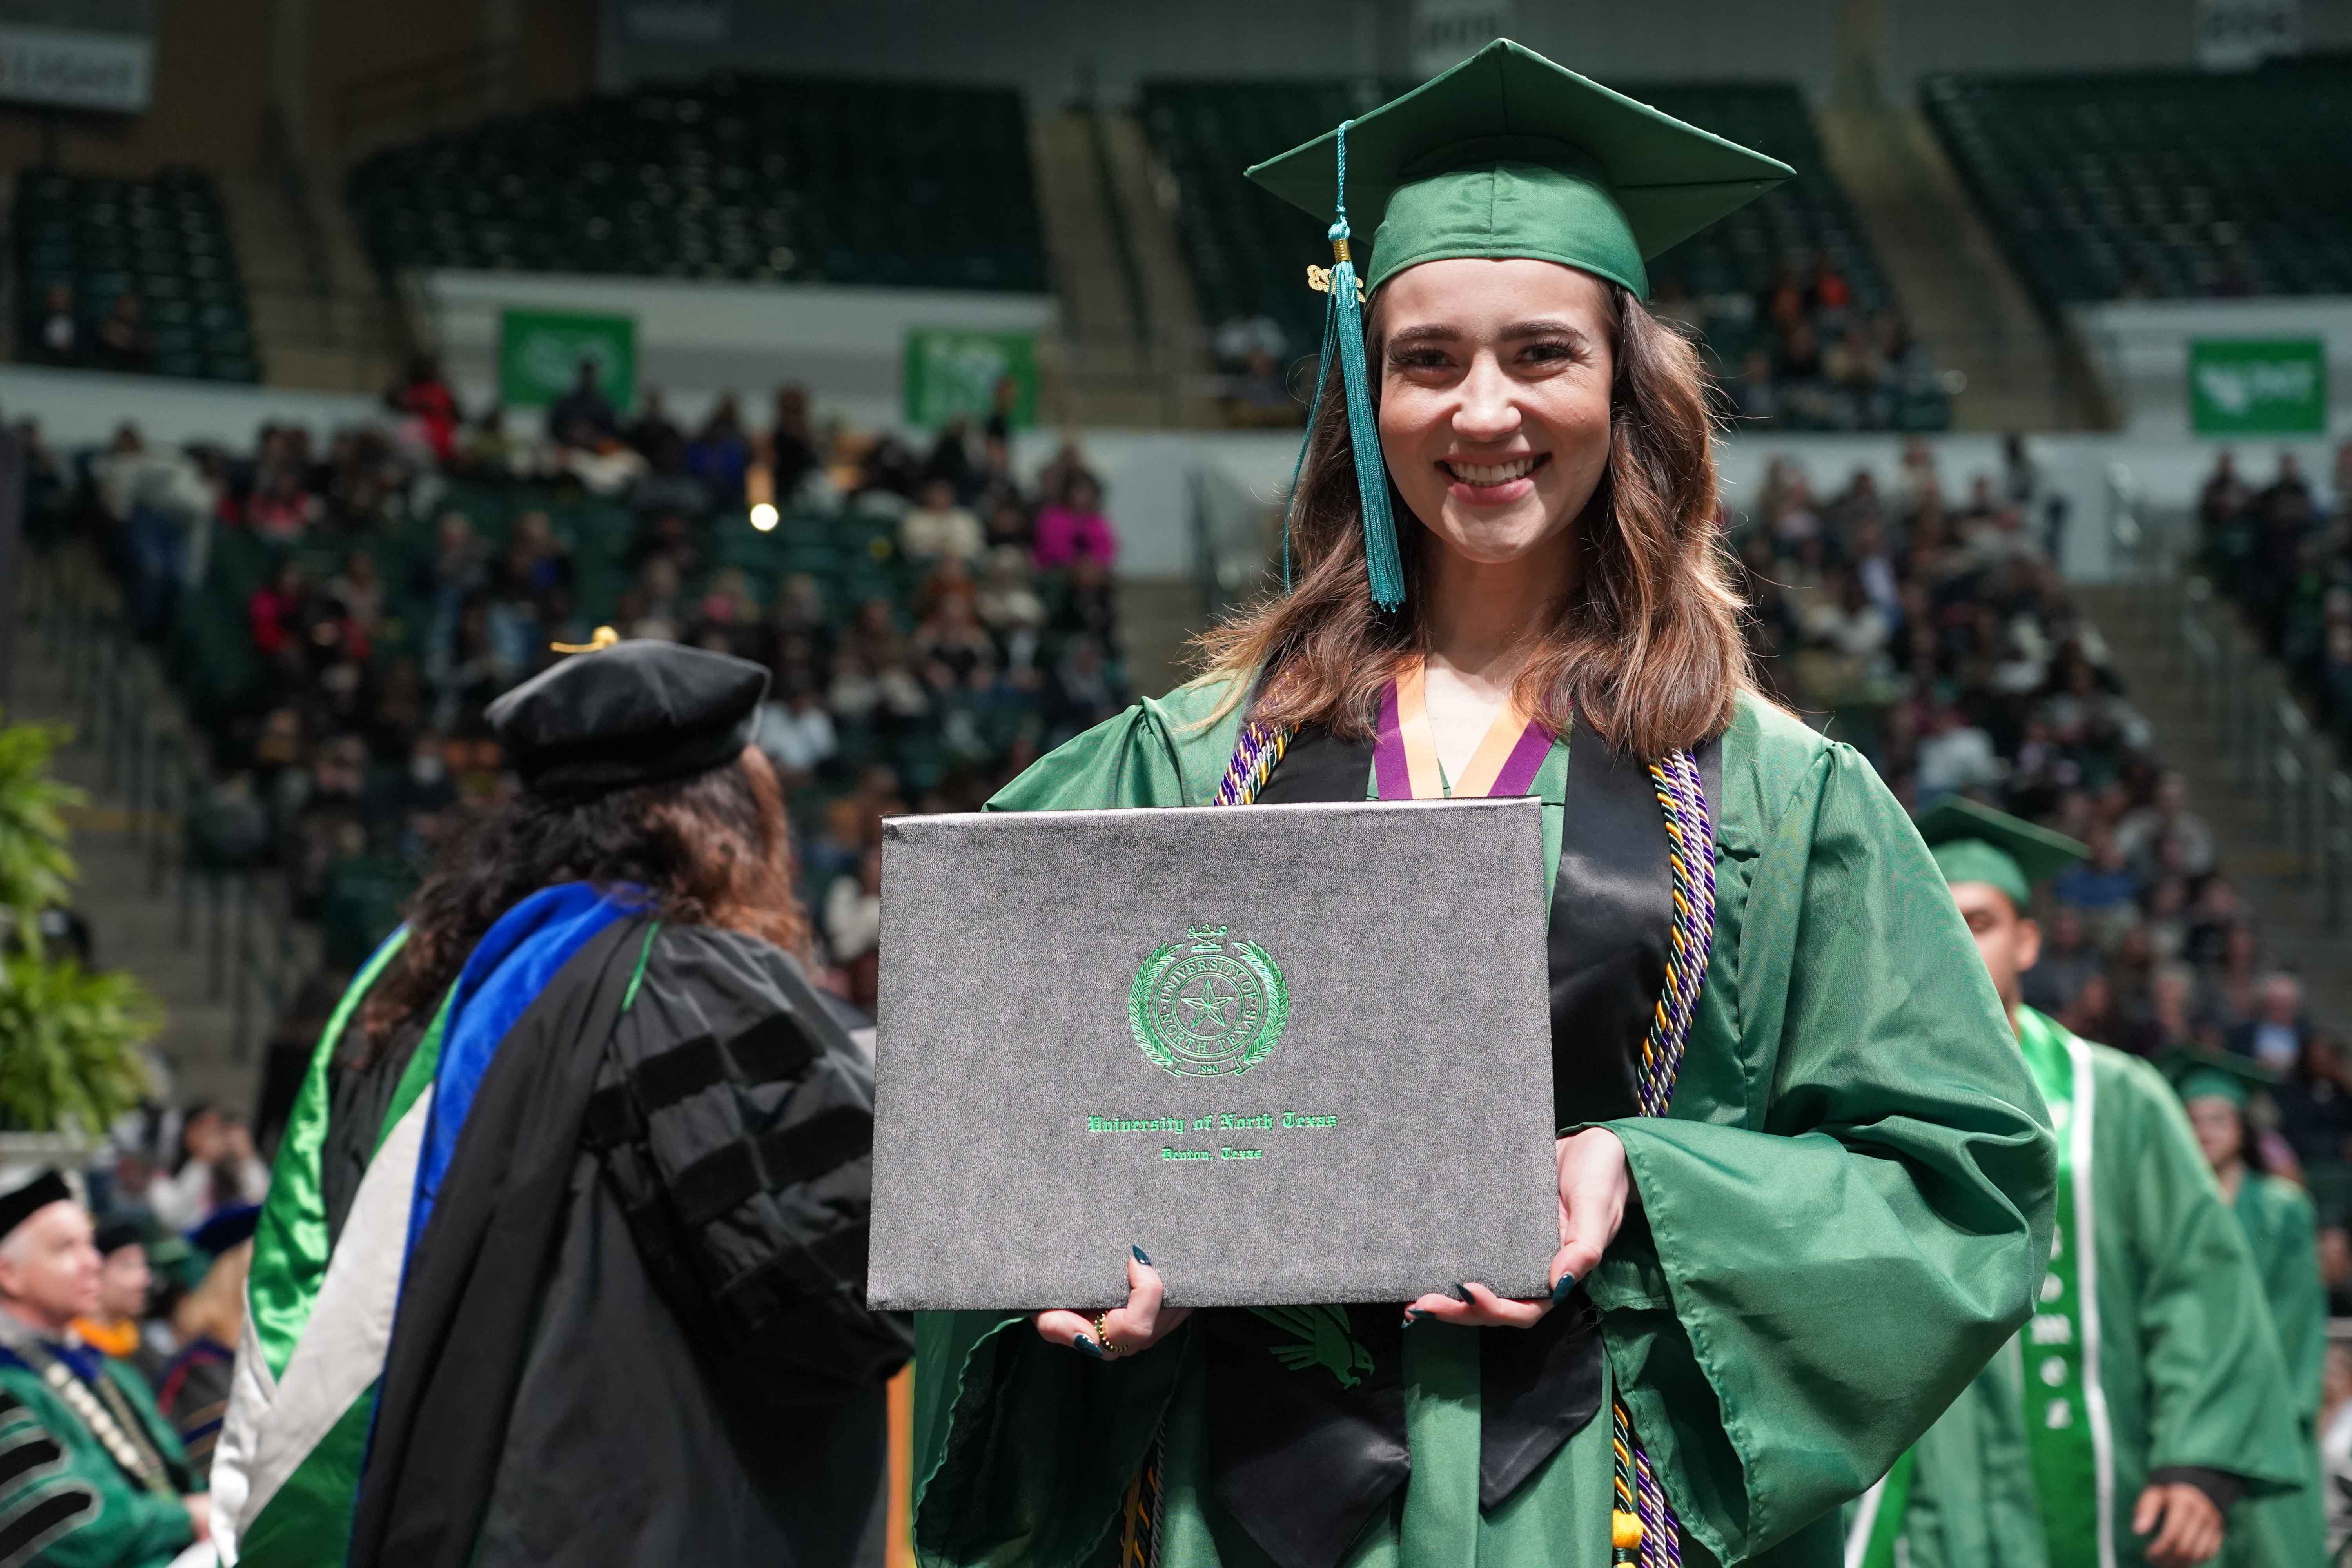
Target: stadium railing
[
  {"x": 2276, "y": 756},
  {"x": 122, "y": 712}
]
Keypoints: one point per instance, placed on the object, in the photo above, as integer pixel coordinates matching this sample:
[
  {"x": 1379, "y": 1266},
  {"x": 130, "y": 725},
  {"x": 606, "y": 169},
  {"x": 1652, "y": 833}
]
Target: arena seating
[
  {"x": 1247, "y": 250},
  {"x": 2163, "y": 184},
  {"x": 357, "y": 608},
  {"x": 1807, "y": 217},
  {"x": 757, "y": 178},
  {"x": 85, "y": 242}
]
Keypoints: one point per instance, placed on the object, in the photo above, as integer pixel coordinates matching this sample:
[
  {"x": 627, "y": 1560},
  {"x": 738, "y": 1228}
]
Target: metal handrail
[
  {"x": 2274, "y": 751},
  {"x": 236, "y": 913}
]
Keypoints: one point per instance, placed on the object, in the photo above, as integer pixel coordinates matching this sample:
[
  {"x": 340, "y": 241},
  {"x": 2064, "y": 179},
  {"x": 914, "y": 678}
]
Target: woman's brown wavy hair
[
  {"x": 1645, "y": 644},
  {"x": 713, "y": 849}
]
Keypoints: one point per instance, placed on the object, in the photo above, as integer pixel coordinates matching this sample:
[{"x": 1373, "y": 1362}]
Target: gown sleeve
[
  {"x": 1022, "y": 1450},
  {"x": 1163, "y": 752},
  {"x": 735, "y": 1121},
  {"x": 1801, "y": 1291},
  {"x": 2298, "y": 1297},
  {"x": 2217, "y": 1394},
  {"x": 54, "y": 1509}
]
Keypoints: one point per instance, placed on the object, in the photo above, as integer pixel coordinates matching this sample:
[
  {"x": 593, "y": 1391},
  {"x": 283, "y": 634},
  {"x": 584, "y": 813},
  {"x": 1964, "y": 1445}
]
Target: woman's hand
[
  {"x": 1143, "y": 1322},
  {"x": 1594, "y": 1186}
]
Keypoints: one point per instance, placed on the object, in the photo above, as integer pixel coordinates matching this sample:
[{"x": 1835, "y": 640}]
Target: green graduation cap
[
  {"x": 1974, "y": 843},
  {"x": 1506, "y": 155},
  {"x": 2197, "y": 1073},
  {"x": 1510, "y": 155}
]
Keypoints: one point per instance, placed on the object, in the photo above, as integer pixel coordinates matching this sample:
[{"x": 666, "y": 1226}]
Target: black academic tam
[{"x": 627, "y": 713}]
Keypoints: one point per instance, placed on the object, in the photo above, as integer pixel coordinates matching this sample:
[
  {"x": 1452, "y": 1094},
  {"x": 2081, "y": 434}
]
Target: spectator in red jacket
[{"x": 274, "y": 609}]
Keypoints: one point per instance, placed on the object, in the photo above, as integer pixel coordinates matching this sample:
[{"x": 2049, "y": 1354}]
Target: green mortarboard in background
[
  {"x": 1506, "y": 155},
  {"x": 2197, "y": 1073},
  {"x": 1974, "y": 843}
]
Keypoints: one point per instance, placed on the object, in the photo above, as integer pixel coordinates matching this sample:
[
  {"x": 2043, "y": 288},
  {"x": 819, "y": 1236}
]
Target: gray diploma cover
[{"x": 1296, "y": 1053}]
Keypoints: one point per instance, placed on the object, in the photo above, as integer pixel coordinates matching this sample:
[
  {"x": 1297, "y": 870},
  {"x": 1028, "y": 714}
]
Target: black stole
[{"x": 1301, "y": 1461}]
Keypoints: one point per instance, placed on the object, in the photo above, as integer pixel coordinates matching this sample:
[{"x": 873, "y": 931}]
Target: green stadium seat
[
  {"x": 2167, "y": 184},
  {"x": 166, "y": 238},
  {"x": 751, "y": 178}
]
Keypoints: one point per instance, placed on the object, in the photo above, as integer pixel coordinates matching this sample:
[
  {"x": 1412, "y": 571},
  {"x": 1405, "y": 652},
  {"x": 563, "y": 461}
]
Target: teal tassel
[{"x": 1345, "y": 323}]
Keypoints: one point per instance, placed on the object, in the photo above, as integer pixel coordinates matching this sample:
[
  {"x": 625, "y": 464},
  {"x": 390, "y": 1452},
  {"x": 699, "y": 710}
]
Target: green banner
[
  {"x": 952, "y": 372},
  {"x": 539, "y": 353},
  {"x": 2258, "y": 386}
]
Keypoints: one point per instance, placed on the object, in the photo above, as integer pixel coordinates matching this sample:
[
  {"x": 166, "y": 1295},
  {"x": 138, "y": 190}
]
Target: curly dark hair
[{"x": 711, "y": 849}]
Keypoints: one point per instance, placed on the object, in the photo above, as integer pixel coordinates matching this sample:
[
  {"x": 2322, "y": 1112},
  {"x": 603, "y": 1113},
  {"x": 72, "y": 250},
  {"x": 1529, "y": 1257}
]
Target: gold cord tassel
[{"x": 601, "y": 638}]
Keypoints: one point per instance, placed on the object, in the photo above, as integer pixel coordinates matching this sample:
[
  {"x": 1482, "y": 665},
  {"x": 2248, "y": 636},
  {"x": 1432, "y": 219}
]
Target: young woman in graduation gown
[
  {"x": 1778, "y": 1264},
  {"x": 2282, "y": 1232}
]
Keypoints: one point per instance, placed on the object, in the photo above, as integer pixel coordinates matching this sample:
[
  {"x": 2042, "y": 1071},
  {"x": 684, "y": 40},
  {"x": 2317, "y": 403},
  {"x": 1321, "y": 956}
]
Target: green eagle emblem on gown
[{"x": 1324, "y": 1341}]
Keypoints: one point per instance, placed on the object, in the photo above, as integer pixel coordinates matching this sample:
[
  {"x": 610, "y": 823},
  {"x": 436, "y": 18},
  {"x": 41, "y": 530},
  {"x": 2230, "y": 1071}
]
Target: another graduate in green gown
[
  {"x": 2277, "y": 1218},
  {"x": 2145, "y": 1409},
  {"x": 1804, "y": 1177}
]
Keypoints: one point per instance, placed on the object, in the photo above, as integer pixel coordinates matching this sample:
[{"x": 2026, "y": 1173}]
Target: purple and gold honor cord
[{"x": 1643, "y": 1528}]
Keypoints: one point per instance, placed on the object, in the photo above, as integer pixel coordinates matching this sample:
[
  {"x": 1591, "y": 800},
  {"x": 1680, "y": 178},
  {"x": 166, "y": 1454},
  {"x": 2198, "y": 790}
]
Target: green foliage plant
[{"x": 70, "y": 1038}]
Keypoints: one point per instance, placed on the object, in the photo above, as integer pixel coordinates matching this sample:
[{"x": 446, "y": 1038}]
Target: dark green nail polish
[
  {"x": 1086, "y": 1346},
  {"x": 1462, "y": 1293},
  {"x": 1141, "y": 1257},
  {"x": 1411, "y": 1317},
  {"x": 1560, "y": 1291}
]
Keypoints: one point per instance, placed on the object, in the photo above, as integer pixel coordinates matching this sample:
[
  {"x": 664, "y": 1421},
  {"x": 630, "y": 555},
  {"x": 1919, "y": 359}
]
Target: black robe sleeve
[{"x": 734, "y": 1117}]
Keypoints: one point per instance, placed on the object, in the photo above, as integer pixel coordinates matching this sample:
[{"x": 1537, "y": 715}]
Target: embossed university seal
[{"x": 1208, "y": 1004}]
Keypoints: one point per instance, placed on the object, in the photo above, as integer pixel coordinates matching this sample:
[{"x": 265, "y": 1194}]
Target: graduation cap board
[
  {"x": 1505, "y": 156},
  {"x": 1974, "y": 843},
  {"x": 2197, "y": 1073},
  {"x": 1510, "y": 155}
]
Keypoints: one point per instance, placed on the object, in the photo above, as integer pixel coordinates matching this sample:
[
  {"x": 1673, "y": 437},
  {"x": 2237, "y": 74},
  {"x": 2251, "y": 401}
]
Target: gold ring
[{"x": 1102, "y": 1338}]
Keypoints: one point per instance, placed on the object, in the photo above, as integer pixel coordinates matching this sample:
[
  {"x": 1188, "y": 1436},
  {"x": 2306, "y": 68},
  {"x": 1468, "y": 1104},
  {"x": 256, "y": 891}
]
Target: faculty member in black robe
[{"x": 630, "y": 1323}]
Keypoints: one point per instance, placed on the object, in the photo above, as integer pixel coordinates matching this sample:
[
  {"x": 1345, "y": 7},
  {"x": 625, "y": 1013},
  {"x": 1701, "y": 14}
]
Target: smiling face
[{"x": 1494, "y": 386}]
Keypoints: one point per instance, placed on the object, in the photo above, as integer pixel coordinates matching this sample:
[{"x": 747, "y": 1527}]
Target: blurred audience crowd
[
  {"x": 2284, "y": 551},
  {"x": 340, "y": 614},
  {"x": 1926, "y": 624},
  {"x": 1801, "y": 355}
]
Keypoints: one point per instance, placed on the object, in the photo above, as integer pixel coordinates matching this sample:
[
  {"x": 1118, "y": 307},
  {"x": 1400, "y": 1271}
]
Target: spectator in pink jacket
[{"x": 1075, "y": 526}]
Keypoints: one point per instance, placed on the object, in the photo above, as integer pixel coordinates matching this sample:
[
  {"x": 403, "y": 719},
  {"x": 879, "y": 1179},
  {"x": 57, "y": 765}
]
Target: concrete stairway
[
  {"x": 127, "y": 892},
  {"x": 318, "y": 317},
  {"x": 1098, "y": 369},
  {"x": 1950, "y": 279},
  {"x": 2143, "y": 636},
  {"x": 1177, "y": 339},
  {"x": 1131, "y": 349}
]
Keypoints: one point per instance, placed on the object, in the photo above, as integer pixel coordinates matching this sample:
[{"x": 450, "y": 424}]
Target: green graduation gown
[
  {"x": 64, "y": 1501},
  {"x": 2187, "y": 1367},
  {"x": 2290, "y": 1530},
  {"x": 1845, "y": 1215}
]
